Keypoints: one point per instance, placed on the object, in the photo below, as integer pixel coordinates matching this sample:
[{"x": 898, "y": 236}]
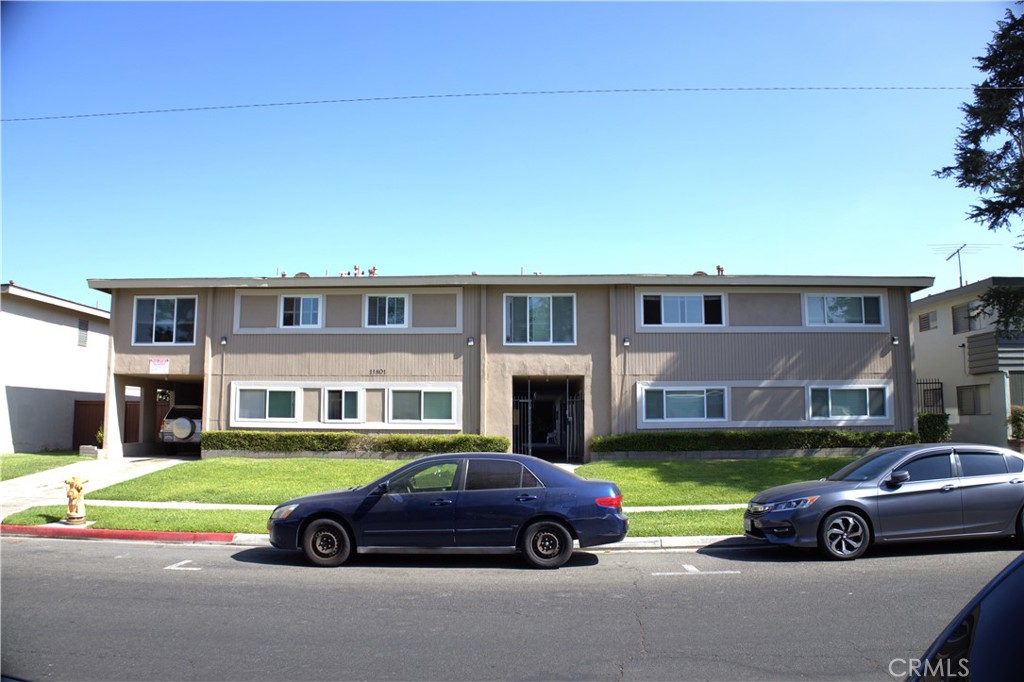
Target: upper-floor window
[
  {"x": 928, "y": 321},
  {"x": 668, "y": 404},
  {"x": 844, "y": 310},
  {"x": 540, "y": 319},
  {"x": 966, "y": 318},
  {"x": 165, "y": 320},
  {"x": 83, "y": 332},
  {"x": 828, "y": 402},
  {"x": 300, "y": 311},
  {"x": 671, "y": 309},
  {"x": 387, "y": 311}
]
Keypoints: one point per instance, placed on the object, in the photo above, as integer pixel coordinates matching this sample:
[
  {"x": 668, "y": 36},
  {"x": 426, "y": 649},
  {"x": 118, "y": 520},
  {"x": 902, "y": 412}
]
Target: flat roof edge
[{"x": 912, "y": 283}]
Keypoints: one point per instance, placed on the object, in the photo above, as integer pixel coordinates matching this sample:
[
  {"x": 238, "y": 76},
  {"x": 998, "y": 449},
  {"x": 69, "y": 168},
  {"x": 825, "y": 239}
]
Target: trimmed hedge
[
  {"x": 759, "y": 439},
  {"x": 344, "y": 441},
  {"x": 934, "y": 428}
]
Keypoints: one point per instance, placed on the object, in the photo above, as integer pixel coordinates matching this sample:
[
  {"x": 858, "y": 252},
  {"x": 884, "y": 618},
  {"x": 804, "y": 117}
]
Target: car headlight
[
  {"x": 283, "y": 511},
  {"x": 790, "y": 505}
]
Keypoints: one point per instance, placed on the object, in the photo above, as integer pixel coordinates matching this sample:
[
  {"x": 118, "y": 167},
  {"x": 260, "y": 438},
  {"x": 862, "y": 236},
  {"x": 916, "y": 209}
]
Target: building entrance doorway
[{"x": 547, "y": 417}]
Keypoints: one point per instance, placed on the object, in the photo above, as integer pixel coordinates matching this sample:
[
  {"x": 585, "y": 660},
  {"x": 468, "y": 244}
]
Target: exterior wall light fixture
[
  {"x": 471, "y": 341},
  {"x": 223, "y": 340},
  {"x": 625, "y": 341},
  {"x": 895, "y": 340}
]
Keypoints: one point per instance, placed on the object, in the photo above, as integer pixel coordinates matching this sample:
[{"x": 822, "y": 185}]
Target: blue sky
[{"x": 817, "y": 182}]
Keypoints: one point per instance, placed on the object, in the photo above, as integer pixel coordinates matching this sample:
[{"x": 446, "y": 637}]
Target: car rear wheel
[
  {"x": 326, "y": 543},
  {"x": 844, "y": 535},
  {"x": 547, "y": 544}
]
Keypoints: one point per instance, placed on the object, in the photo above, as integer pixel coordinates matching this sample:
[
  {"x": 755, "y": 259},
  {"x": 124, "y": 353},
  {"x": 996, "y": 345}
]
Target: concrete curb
[{"x": 64, "y": 531}]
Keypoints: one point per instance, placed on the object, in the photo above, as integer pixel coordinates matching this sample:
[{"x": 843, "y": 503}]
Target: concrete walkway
[{"x": 47, "y": 488}]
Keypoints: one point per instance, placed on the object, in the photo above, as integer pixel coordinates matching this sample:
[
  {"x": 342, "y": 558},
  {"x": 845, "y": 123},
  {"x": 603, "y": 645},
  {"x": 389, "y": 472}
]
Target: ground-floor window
[
  {"x": 669, "y": 404},
  {"x": 329, "y": 405},
  {"x": 848, "y": 401}
]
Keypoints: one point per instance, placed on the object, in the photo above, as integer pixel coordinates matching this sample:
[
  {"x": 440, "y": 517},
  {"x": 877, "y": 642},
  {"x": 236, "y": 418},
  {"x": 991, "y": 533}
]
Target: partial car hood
[
  {"x": 802, "y": 489},
  {"x": 329, "y": 496}
]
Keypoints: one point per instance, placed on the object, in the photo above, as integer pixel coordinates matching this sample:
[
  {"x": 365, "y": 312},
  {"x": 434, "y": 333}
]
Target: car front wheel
[
  {"x": 547, "y": 544},
  {"x": 326, "y": 543},
  {"x": 844, "y": 535}
]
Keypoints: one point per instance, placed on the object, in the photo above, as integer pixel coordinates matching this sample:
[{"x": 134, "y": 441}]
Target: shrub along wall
[
  {"x": 745, "y": 443},
  {"x": 343, "y": 444}
]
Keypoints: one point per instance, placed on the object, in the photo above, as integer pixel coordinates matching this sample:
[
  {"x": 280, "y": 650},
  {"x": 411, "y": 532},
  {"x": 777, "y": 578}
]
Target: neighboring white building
[
  {"x": 52, "y": 353},
  {"x": 964, "y": 366}
]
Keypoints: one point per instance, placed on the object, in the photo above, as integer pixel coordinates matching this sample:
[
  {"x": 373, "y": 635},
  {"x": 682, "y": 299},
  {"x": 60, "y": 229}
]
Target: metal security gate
[
  {"x": 547, "y": 418},
  {"x": 929, "y": 396}
]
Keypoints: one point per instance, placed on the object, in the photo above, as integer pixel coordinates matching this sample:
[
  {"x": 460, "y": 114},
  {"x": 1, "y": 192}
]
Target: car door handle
[
  {"x": 526, "y": 498},
  {"x": 1017, "y": 481},
  {"x": 948, "y": 487},
  {"x": 440, "y": 503}
]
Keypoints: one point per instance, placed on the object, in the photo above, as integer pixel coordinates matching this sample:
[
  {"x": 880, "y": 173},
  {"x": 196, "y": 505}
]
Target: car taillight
[{"x": 615, "y": 502}]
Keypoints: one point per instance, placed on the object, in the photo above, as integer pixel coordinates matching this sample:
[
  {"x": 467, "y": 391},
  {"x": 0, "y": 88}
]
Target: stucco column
[{"x": 113, "y": 418}]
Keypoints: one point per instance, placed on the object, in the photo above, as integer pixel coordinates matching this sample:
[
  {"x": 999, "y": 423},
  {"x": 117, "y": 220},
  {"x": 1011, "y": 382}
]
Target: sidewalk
[{"x": 46, "y": 488}]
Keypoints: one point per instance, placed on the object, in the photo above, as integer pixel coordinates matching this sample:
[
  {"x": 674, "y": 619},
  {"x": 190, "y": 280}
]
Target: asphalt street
[{"x": 103, "y": 610}]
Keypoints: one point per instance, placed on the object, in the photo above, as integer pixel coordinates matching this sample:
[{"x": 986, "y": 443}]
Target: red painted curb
[{"x": 107, "y": 534}]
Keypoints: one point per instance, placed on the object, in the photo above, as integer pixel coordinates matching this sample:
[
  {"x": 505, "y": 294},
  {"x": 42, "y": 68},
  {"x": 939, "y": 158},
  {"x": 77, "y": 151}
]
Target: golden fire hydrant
[{"x": 76, "y": 501}]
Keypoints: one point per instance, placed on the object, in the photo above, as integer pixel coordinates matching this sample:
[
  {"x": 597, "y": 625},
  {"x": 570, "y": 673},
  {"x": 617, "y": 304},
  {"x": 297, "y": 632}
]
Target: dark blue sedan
[{"x": 456, "y": 503}]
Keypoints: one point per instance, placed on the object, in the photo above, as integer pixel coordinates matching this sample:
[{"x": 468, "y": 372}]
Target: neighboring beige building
[
  {"x": 548, "y": 361},
  {"x": 53, "y": 353},
  {"x": 964, "y": 366}
]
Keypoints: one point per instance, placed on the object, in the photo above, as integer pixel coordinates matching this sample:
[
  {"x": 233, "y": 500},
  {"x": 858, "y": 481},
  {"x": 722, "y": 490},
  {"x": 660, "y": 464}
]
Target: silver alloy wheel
[{"x": 846, "y": 535}]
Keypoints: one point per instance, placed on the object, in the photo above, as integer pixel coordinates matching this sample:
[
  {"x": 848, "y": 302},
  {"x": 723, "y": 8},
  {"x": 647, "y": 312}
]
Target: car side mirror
[
  {"x": 381, "y": 488},
  {"x": 898, "y": 478}
]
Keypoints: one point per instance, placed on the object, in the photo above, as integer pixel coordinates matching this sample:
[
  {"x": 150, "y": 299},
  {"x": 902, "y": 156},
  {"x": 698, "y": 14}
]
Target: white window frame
[
  {"x": 302, "y": 297},
  {"x": 702, "y": 295},
  {"x": 506, "y": 331},
  {"x": 882, "y": 312},
  {"x": 665, "y": 388},
  {"x": 406, "y": 310},
  {"x": 360, "y": 405},
  {"x": 236, "y": 391},
  {"x": 868, "y": 418},
  {"x": 422, "y": 389},
  {"x": 155, "y": 298}
]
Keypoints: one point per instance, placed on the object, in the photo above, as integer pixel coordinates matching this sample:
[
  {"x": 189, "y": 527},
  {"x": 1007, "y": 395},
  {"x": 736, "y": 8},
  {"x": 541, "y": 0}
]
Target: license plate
[{"x": 747, "y": 526}]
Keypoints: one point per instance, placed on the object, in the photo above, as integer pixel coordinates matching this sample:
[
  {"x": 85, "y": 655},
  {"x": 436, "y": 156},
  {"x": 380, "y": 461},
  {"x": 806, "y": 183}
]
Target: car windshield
[{"x": 870, "y": 467}]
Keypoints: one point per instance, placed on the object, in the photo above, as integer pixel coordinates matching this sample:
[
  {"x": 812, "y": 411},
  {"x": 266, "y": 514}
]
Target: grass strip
[
  {"x": 641, "y": 524},
  {"x": 240, "y": 480},
  {"x": 140, "y": 518},
  {"x": 18, "y": 464},
  {"x": 658, "y": 482},
  {"x": 685, "y": 523}
]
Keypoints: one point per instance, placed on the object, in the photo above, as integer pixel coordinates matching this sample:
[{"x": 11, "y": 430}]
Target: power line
[{"x": 523, "y": 93}]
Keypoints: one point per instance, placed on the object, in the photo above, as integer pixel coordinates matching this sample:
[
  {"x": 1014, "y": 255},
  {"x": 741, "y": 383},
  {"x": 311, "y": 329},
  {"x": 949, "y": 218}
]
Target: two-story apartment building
[
  {"x": 548, "y": 361},
  {"x": 967, "y": 368}
]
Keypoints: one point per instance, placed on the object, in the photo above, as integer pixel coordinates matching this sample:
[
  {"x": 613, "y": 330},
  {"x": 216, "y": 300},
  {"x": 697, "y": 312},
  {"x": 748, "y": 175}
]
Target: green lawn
[
  {"x": 659, "y": 482},
  {"x": 17, "y": 464},
  {"x": 137, "y": 518},
  {"x": 641, "y": 524},
  {"x": 271, "y": 481},
  {"x": 239, "y": 480}
]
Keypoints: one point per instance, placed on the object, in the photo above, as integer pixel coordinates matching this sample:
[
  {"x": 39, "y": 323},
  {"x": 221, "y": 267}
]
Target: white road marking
[
  {"x": 180, "y": 566},
  {"x": 690, "y": 569}
]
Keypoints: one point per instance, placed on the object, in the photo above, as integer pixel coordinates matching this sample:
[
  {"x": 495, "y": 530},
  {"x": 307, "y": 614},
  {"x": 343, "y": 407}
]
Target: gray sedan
[{"x": 922, "y": 492}]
